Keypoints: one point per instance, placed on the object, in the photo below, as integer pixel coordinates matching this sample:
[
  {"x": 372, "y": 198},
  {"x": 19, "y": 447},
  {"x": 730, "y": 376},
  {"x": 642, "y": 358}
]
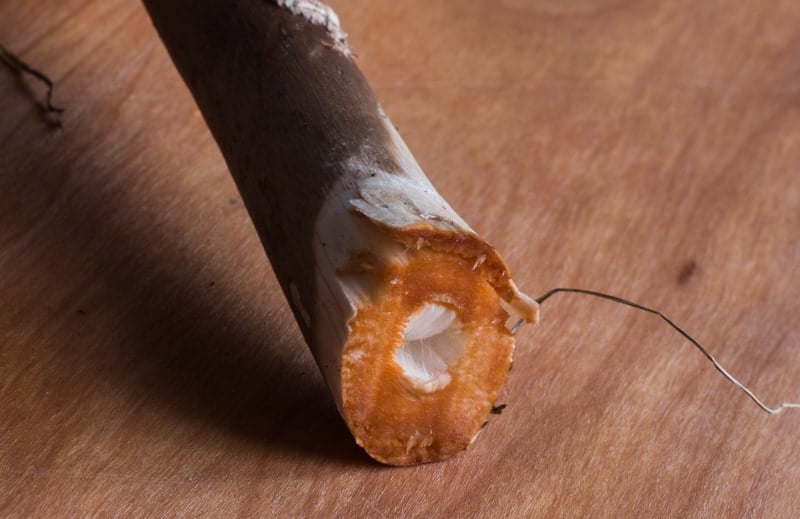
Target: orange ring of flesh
[{"x": 395, "y": 422}]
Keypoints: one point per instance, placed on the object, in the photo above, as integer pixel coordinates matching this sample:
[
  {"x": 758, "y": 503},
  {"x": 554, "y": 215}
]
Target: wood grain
[{"x": 150, "y": 366}]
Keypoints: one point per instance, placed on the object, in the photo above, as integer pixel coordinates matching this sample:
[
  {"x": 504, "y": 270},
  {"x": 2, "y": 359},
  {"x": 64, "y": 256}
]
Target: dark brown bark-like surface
[{"x": 287, "y": 109}]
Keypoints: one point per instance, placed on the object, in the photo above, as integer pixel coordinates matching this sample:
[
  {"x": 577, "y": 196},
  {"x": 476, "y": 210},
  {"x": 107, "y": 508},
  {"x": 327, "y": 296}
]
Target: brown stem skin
[
  {"x": 286, "y": 108},
  {"x": 317, "y": 161}
]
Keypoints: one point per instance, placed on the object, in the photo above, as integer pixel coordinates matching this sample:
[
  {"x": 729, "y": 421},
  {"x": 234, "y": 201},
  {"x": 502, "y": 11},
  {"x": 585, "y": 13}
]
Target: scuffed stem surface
[{"x": 320, "y": 14}]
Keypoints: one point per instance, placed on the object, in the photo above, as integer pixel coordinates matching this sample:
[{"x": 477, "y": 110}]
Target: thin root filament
[
  {"x": 703, "y": 350},
  {"x": 18, "y": 66}
]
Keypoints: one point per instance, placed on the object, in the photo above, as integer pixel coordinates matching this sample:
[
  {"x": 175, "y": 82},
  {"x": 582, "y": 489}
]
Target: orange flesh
[{"x": 395, "y": 422}]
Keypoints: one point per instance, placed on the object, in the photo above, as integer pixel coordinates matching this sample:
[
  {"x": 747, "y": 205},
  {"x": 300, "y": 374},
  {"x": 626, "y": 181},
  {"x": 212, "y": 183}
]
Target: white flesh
[{"x": 432, "y": 343}]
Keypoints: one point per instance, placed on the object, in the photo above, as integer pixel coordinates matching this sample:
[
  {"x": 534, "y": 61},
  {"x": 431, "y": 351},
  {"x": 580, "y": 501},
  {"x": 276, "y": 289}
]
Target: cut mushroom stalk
[{"x": 405, "y": 308}]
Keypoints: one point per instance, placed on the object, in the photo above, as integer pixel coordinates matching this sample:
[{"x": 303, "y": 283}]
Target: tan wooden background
[{"x": 149, "y": 364}]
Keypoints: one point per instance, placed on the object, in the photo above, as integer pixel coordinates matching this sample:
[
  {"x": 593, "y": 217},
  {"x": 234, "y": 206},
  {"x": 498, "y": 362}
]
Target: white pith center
[{"x": 433, "y": 342}]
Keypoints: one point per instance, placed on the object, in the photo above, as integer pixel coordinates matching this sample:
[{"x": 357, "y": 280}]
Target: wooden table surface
[{"x": 149, "y": 364}]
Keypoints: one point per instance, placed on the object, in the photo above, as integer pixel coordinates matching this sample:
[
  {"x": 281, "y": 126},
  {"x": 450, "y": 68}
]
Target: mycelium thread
[
  {"x": 695, "y": 342},
  {"x": 19, "y": 66}
]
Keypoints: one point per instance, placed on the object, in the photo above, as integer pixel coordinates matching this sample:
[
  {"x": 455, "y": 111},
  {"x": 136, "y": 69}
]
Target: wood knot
[{"x": 688, "y": 270}]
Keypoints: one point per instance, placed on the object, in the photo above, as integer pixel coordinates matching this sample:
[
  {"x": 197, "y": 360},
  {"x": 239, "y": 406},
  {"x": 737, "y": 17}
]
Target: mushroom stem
[{"x": 405, "y": 308}]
